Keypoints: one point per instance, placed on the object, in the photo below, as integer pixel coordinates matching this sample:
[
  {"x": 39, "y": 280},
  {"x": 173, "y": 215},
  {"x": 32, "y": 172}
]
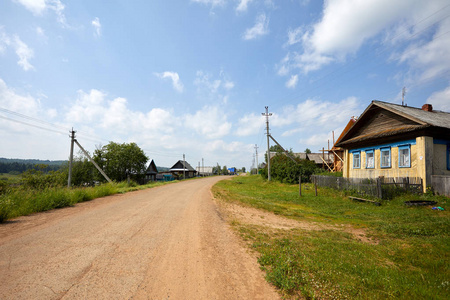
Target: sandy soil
[{"x": 163, "y": 243}]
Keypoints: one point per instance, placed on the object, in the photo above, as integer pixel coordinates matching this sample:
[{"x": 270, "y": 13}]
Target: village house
[
  {"x": 182, "y": 169},
  {"x": 151, "y": 172},
  {"x": 396, "y": 141}
]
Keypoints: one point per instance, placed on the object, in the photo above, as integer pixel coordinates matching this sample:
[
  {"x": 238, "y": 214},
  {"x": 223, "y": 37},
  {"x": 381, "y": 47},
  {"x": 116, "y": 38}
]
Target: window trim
[
  {"x": 409, "y": 154},
  {"x": 359, "y": 159},
  {"x": 388, "y": 149},
  {"x": 370, "y": 151}
]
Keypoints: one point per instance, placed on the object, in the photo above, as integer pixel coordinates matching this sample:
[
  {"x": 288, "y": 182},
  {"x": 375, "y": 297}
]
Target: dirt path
[{"x": 163, "y": 243}]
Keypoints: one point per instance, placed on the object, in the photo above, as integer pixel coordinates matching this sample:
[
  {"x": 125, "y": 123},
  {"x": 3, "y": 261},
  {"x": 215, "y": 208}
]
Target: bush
[{"x": 283, "y": 169}]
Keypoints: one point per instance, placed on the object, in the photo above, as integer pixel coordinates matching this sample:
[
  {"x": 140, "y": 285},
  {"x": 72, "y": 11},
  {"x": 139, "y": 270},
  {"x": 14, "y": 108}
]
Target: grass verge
[
  {"x": 17, "y": 202},
  {"x": 408, "y": 258}
]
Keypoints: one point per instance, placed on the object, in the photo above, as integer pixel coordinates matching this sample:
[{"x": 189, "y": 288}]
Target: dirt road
[{"x": 163, "y": 243}]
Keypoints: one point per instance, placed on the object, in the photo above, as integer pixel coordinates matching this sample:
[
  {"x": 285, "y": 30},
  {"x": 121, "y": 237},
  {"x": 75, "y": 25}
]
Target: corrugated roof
[{"x": 434, "y": 118}]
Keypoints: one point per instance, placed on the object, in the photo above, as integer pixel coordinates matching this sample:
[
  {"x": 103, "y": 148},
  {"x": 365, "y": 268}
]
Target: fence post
[
  {"x": 338, "y": 179},
  {"x": 407, "y": 184},
  {"x": 315, "y": 185},
  {"x": 300, "y": 185},
  {"x": 379, "y": 192}
]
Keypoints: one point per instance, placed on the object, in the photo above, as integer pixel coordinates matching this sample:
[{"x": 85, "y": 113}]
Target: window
[
  {"x": 370, "y": 159},
  {"x": 404, "y": 156},
  {"x": 385, "y": 161},
  {"x": 356, "y": 160}
]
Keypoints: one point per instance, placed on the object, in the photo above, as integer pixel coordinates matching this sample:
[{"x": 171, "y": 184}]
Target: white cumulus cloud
[
  {"x": 292, "y": 82},
  {"x": 97, "y": 27},
  {"x": 260, "y": 28},
  {"x": 243, "y": 5},
  {"x": 176, "y": 82}
]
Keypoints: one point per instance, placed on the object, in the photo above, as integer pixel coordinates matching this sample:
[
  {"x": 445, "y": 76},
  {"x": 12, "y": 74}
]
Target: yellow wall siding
[{"x": 393, "y": 171}]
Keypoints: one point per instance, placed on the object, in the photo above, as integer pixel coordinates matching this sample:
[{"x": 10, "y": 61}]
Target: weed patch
[{"x": 409, "y": 261}]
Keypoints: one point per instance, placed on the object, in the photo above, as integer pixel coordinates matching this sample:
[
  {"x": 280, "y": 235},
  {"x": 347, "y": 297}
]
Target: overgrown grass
[
  {"x": 408, "y": 260},
  {"x": 21, "y": 201}
]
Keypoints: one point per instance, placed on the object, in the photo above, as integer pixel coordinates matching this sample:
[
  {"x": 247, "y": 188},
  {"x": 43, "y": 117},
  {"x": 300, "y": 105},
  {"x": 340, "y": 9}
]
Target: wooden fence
[{"x": 381, "y": 187}]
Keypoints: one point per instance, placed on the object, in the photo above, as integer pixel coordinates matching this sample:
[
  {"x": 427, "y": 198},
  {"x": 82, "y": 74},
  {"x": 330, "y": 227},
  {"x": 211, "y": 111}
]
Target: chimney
[{"x": 427, "y": 107}]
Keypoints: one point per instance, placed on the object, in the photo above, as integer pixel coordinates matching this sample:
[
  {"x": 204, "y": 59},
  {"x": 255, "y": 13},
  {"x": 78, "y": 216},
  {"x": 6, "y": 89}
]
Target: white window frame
[
  {"x": 402, "y": 162},
  {"x": 383, "y": 163},
  {"x": 370, "y": 161},
  {"x": 357, "y": 162}
]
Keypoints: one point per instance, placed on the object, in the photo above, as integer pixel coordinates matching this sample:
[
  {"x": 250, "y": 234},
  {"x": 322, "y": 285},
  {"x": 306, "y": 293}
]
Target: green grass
[
  {"x": 20, "y": 201},
  {"x": 408, "y": 260}
]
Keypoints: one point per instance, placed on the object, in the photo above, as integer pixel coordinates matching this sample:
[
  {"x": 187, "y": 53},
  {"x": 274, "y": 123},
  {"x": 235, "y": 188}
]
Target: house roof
[
  {"x": 433, "y": 118},
  {"x": 417, "y": 119},
  {"x": 317, "y": 158},
  {"x": 178, "y": 166},
  {"x": 152, "y": 169}
]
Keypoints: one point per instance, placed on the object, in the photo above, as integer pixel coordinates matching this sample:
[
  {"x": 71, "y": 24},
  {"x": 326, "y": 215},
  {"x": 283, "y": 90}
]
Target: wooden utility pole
[
  {"x": 184, "y": 167},
  {"x": 267, "y": 115},
  {"x": 257, "y": 170},
  {"x": 72, "y": 139}
]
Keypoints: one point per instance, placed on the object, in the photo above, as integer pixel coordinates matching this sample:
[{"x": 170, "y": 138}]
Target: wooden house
[
  {"x": 182, "y": 169},
  {"x": 392, "y": 140},
  {"x": 151, "y": 172}
]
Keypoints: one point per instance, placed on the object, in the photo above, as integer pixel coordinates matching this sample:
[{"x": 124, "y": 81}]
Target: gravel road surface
[{"x": 168, "y": 242}]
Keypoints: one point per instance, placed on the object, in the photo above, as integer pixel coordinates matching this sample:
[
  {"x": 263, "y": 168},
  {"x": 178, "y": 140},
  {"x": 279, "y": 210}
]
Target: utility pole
[
  {"x": 184, "y": 167},
  {"x": 267, "y": 115},
  {"x": 256, "y": 148},
  {"x": 72, "y": 140}
]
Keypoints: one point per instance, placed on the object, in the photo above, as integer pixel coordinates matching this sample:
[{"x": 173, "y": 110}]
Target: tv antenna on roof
[{"x": 403, "y": 96}]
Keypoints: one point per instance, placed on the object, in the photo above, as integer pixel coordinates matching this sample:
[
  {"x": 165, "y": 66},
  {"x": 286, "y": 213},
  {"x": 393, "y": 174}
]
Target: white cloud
[
  {"x": 243, "y": 5},
  {"x": 429, "y": 58},
  {"x": 440, "y": 100},
  {"x": 38, "y": 7},
  {"x": 292, "y": 82},
  {"x": 13, "y": 101},
  {"x": 259, "y": 29},
  {"x": 228, "y": 85},
  {"x": 347, "y": 24},
  {"x": 176, "y": 83},
  {"x": 294, "y": 36},
  {"x": 24, "y": 53},
  {"x": 211, "y": 122},
  {"x": 213, "y": 3},
  {"x": 249, "y": 125},
  {"x": 97, "y": 27}
]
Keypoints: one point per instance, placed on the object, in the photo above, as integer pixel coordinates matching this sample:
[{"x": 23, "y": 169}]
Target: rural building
[
  {"x": 204, "y": 171},
  {"x": 151, "y": 172},
  {"x": 182, "y": 168},
  {"x": 338, "y": 152},
  {"x": 396, "y": 141}
]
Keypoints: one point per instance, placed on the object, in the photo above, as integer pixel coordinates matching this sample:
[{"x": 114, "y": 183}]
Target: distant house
[
  {"x": 204, "y": 171},
  {"x": 151, "y": 172},
  {"x": 182, "y": 169},
  {"x": 392, "y": 140},
  {"x": 322, "y": 160}
]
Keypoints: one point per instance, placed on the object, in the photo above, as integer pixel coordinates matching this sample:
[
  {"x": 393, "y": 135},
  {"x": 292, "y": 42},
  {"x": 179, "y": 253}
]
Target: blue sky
[{"x": 193, "y": 77}]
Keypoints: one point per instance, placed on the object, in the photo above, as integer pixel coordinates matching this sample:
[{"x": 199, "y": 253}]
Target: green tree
[
  {"x": 307, "y": 151},
  {"x": 243, "y": 169},
  {"x": 120, "y": 160},
  {"x": 224, "y": 170}
]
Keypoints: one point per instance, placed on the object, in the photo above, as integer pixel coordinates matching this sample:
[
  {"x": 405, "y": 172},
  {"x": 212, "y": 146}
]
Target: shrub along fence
[{"x": 381, "y": 187}]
